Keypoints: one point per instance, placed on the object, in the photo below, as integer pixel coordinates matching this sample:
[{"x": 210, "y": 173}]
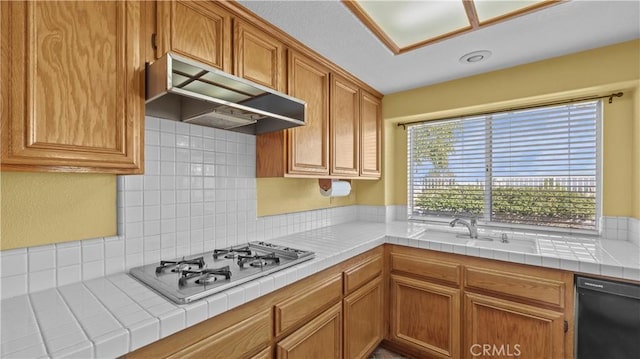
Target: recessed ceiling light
[
  {"x": 476, "y": 56},
  {"x": 407, "y": 25}
]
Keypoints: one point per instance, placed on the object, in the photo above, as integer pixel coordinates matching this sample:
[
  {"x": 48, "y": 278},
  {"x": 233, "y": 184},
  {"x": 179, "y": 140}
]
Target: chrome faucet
[
  {"x": 504, "y": 238},
  {"x": 472, "y": 226}
]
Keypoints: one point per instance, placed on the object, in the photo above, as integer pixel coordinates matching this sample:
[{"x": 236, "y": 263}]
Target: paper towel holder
[{"x": 325, "y": 183}]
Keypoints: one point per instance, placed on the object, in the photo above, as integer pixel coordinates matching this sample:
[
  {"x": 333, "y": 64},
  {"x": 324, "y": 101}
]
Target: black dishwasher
[{"x": 607, "y": 319}]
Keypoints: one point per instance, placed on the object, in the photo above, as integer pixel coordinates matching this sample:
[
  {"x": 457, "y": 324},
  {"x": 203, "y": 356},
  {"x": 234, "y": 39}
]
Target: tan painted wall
[
  {"x": 593, "y": 72},
  {"x": 617, "y": 162},
  {"x": 287, "y": 195},
  {"x": 636, "y": 156},
  {"x": 43, "y": 208}
]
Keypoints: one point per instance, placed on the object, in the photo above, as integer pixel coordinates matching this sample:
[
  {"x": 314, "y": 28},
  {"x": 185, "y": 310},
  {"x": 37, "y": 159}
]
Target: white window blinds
[{"x": 535, "y": 167}]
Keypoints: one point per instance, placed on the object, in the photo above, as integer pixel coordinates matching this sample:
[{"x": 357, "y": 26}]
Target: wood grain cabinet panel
[
  {"x": 525, "y": 287},
  {"x": 241, "y": 340},
  {"x": 501, "y": 328},
  {"x": 200, "y": 30},
  {"x": 258, "y": 57},
  {"x": 299, "y": 308},
  {"x": 308, "y": 145},
  {"x": 319, "y": 338},
  {"x": 73, "y": 86},
  {"x": 362, "y": 273},
  {"x": 363, "y": 320},
  {"x": 344, "y": 126},
  {"x": 267, "y": 353},
  {"x": 448, "y": 272},
  {"x": 425, "y": 317},
  {"x": 370, "y": 135}
]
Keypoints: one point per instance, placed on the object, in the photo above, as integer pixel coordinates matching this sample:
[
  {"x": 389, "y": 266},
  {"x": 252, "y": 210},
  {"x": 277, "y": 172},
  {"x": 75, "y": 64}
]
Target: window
[{"x": 529, "y": 167}]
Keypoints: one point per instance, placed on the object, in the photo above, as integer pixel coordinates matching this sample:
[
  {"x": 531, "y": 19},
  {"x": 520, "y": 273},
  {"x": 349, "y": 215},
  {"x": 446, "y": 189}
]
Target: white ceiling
[{"x": 329, "y": 28}]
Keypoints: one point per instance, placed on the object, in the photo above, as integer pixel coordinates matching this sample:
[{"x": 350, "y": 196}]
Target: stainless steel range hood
[{"x": 184, "y": 90}]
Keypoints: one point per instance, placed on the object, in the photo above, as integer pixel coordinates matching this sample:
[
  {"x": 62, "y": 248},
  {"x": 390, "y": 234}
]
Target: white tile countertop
[{"x": 111, "y": 316}]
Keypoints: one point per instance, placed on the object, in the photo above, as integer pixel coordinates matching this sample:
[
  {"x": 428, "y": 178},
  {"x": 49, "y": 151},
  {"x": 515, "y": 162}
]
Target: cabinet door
[
  {"x": 425, "y": 316},
  {"x": 363, "y": 320},
  {"x": 370, "y": 135},
  {"x": 501, "y": 328},
  {"x": 308, "y": 146},
  {"x": 72, "y": 90},
  {"x": 238, "y": 341},
  {"x": 200, "y": 30},
  {"x": 344, "y": 126},
  {"x": 320, "y": 338},
  {"x": 258, "y": 57}
]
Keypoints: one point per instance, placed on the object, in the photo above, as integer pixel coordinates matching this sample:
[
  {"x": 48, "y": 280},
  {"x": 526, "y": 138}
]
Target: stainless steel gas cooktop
[{"x": 189, "y": 278}]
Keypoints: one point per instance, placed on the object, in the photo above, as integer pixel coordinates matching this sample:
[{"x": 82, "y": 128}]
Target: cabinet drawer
[
  {"x": 525, "y": 287},
  {"x": 311, "y": 302},
  {"x": 237, "y": 341},
  {"x": 320, "y": 338},
  {"x": 265, "y": 354},
  {"x": 362, "y": 273},
  {"x": 424, "y": 267}
]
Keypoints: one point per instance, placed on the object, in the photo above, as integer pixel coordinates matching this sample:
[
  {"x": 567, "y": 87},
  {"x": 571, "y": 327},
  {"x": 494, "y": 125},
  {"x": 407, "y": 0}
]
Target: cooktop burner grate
[
  {"x": 187, "y": 279},
  {"x": 179, "y": 266}
]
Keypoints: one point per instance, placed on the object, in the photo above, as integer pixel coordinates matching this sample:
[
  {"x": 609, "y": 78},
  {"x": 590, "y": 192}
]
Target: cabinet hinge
[
  {"x": 566, "y": 326},
  {"x": 154, "y": 41}
]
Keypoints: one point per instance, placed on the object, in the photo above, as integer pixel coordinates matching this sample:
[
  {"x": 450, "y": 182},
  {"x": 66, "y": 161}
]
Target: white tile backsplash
[
  {"x": 621, "y": 229},
  {"x": 13, "y": 262},
  {"x": 198, "y": 193}
]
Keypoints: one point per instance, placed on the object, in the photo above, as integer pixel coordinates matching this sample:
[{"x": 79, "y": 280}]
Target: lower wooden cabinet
[
  {"x": 303, "y": 306},
  {"x": 425, "y": 304},
  {"x": 267, "y": 353},
  {"x": 238, "y": 341},
  {"x": 425, "y": 317},
  {"x": 320, "y": 338},
  {"x": 446, "y": 305},
  {"x": 363, "y": 320},
  {"x": 501, "y": 328}
]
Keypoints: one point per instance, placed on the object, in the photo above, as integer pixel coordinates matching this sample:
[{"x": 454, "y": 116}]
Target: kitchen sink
[
  {"x": 444, "y": 237},
  {"x": 514, "y": 245},
  {"x": 484, "y": 241}
]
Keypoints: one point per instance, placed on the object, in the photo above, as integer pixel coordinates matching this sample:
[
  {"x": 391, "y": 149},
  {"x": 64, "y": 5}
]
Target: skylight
[{"x": 406, "y": 25}]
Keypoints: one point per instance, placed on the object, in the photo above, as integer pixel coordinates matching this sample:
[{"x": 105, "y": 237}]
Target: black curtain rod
[{"x": 610, "y": 97}]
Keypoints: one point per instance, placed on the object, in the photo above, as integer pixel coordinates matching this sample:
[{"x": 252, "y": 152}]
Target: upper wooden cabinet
[
  {"x": 200, "y": 30},
  {"x": 342, "y": 134},
  {"x": 308, "y": 145},
  {"x": 258, "y": 57},
  {"x": 343, "y": 131},
  {"x": 72, "y": 90},
  {"x": 344, "y": 127},
  {"x": 370, "y": 135}
]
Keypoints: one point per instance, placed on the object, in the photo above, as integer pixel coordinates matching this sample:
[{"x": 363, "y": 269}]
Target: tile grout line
[
  {"x": 94, "y": 347},
  {"x": 35, "y": 317},
  {"x": 122, "y": 326}
]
